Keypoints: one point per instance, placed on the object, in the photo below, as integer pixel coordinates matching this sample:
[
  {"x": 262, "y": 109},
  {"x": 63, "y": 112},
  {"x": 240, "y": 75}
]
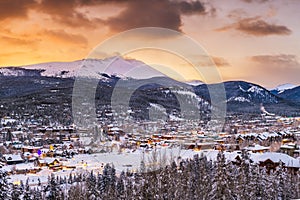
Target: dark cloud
[
  {"x": 257, "y": 27},
  {"x": 195, "y": 7},
  {"x": 154, "y": 13},
  {"x": 281, "y": 60},
  {"x": 15, "y": 8},
  {"x": 137, "y": 13},
  {"x": 65, "y": 12}
]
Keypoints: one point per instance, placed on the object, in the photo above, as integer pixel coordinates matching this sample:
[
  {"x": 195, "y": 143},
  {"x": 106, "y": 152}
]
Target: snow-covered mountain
[
  {"x": 194, "y": 82},
  {"x": 135, "y": 74},
  {"x": 87, "y": 67},
  {"x": 292, "y": 94},
  {"x": 242, "y": 92},
  {"x": 19, "y": 71},
  {"x": 281, "y": 88}
]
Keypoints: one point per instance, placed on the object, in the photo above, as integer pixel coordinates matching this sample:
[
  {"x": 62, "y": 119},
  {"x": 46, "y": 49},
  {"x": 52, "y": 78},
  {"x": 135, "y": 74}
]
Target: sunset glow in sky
[{"x": 251, "y": 40}]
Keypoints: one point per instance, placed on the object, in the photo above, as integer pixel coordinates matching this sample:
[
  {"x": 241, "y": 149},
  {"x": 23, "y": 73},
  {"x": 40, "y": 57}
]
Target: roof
[
  {"x": 12, "y": 157},
  {"x": 47, "y": 160},
  {"x": 276, "y": 158},
  {"x": 256, "y": 147}
]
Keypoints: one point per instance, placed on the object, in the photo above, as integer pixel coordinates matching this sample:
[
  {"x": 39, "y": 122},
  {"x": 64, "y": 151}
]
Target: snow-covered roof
[
  {"x": 287, "y": 147},
  {"x": 47, "y": 160},
  {"x": 276, "y": 158},
  {"x": 229, "y": 156},
  {"x": 12, "y": 157},
  {"x": 256, "y": 147},
  {"x": 25, "y": 166}
]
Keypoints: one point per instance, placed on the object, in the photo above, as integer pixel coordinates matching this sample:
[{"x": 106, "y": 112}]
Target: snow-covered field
[
  {"x": 132, "y": 160},
  {"x": 86, "y": 162}
]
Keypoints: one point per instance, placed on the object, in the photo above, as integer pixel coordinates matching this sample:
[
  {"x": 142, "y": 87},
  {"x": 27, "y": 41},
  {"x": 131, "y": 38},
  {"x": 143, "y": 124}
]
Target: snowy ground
[
  {"x": 131, "y": 161},
  {"x": 87, "y": 162}
]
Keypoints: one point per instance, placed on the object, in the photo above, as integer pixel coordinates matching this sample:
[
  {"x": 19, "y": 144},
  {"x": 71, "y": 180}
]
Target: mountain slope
[
  {"x": 281, "y": 88},
  {"x": 291, "y": 94},
  {"x": 242, "y": 92},
  {"x": 35, "y": 87},
  {"x": 244, "y": 97}
]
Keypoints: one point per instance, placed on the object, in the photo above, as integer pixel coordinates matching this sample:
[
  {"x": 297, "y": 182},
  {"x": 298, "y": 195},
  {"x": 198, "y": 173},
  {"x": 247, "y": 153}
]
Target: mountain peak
[
  {"x": 116, "y": 65},
  {"x": 281, "y": 88},
  {"x": 194, "y": 82}
]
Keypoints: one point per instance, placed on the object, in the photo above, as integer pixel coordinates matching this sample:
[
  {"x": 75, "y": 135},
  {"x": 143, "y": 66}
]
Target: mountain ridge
[{"x": 19, "y": 83}]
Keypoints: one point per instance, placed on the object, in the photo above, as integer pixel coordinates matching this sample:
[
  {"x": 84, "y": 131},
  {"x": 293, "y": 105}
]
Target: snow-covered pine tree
[
  {"x": 120, "y": 188},
  {"x": 91, "y": 186},
  {"x": 129, "y": 189},
  {"x": 16, "y": 192},
  {"x": 4, "y": 187},
  {"x": 266, "y": 184},
  {"x": 220, "y": 188},
  {"x": 76, "y": 192},
  {"x": 27, "y": 192},
  {"x": 53, "y": 190},
  {"x": 37, "y": 194},
  {"x": 101, "y": 184},
  {"x": 257, "y": 184},
  {"x": 207, "y": 178},
  {"x": 279, "y": 181},
  {"x": 244, "y": 177}
]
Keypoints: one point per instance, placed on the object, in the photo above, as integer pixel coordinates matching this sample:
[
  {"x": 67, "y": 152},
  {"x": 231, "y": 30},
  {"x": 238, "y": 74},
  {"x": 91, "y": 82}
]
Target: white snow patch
[
  {"x": 255, "y": 89},
  {"x": 242, "y": 88},
  {"x": 194, "y": 82},
  {"x": 281, "y": 88},
  {"x": 239, "y": 99}
]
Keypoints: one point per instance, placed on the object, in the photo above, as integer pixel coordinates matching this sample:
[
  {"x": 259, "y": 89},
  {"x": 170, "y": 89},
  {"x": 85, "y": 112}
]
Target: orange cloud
[
  {"x": 280, "y": 60},
  {"x": 15, "y": 8},
  {"x": 257, "y": 27},
  {"x": 64, "y": 37}
]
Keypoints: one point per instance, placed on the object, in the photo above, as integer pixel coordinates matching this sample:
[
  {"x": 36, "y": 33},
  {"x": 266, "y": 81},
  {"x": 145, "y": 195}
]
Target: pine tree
[
  {"x": 91, "y": 184},
  {"x": 70, "y": 179},
  {"x": 257, "y": 185},
  {"x": 101, "y": 187},
  {"x": 27, "y": 193},
  {"x": 280, "y": 176},
  {"x": 53, "y": 191},
  {"x": 221, "y": 181},
  {"x": 4, "y": 187},
  {"x": 120, "y": 188},
  {"x": 266, "y": 185},
  {"x": 109, "y": 179},
  {"x": 37, "y": 194},
  {"x": 39, "y": 182},
  {"x": 244, "y": 176},
  {"x": 76, "y": 192},
  {"x": 16, "y": 192}
]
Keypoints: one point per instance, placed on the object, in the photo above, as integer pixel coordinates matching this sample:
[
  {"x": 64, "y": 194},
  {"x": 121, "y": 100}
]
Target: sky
[{"x": 251, "y": 40}]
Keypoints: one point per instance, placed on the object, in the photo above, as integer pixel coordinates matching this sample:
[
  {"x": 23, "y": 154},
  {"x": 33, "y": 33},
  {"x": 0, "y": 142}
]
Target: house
[
  {"x": 272, "y": 159},
  {"x": 257, "y": 148},
  {"x": 26, "y": 168},
  {"x": 288, "y": 148},
  {"x": 48, "y": 162},
  {"x": 30, "y": 149},
  {"x": 12, "y": 159}
]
